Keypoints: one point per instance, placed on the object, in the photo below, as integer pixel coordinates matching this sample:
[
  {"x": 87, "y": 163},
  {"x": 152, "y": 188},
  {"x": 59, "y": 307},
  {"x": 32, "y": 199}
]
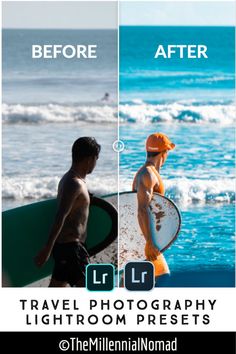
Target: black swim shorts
[{"x": 70, "y": 262}]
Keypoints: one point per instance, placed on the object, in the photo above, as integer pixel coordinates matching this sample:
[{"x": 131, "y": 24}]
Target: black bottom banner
[{"x": 124, "y": 342}]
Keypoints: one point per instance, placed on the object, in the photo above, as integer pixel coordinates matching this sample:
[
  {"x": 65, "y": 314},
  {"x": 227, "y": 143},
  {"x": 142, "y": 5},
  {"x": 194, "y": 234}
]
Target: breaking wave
[
  {"x": 181, "y": 190},
  {"x": 56, "y": 113},
  {"x": 180, "y": 112}
]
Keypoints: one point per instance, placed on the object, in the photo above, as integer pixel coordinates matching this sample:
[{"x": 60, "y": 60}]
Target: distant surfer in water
[
  {"x": 106, "y": 97},
  {"x": 148, "y": 180},
  {"x": 67, "y": 238}
]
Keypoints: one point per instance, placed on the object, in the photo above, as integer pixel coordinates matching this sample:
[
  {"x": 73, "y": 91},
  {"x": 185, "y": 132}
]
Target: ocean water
[
  {"x": 192, "y": 101},
  {"x": 47, "y": 104},
  {"x": 146, "y": 78},
  {"x": 31, "y": 81}
]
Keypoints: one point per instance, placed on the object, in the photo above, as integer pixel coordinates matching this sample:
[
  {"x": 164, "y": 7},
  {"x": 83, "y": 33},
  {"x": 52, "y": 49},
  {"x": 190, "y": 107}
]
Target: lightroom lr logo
[
  {"x": 100, "y": 277},
  {"x": 139, "y": 276}
]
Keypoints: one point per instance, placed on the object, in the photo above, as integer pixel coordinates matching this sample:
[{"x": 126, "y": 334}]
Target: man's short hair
[
  {"x": 85, "y": 147},
  {"x": 152, "y": 153}
]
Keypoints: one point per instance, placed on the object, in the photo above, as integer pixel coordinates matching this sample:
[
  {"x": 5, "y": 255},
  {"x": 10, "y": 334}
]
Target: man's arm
[
  {"x": 134, "y": 184},
  {"x": 70, "y": 193},
  {"x": 144, "y": 195}
]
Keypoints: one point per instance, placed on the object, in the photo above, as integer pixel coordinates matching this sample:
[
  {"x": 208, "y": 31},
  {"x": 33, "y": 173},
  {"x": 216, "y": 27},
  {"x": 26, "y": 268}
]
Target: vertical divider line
[
  {"x": 1, "y": 137},
  {"x": 118, "y": 135}
]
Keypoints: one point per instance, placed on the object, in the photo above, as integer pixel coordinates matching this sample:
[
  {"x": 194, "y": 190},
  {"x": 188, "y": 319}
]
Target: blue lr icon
[
  {"x": 100, "y": 277},
  {"x": 139, "y": 276}
]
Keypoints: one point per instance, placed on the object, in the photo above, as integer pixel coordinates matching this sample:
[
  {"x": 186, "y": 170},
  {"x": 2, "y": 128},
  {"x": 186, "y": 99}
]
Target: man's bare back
[{"x": 75, "y": 224}]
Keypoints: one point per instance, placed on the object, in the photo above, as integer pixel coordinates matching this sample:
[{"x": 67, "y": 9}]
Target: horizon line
[{"x": 110, "y": 28}]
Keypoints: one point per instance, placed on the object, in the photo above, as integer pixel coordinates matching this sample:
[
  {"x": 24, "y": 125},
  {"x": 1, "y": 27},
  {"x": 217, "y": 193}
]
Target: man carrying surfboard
[
  {"x": 147, "y": 181},
  {"x": 67, "y": 237}
]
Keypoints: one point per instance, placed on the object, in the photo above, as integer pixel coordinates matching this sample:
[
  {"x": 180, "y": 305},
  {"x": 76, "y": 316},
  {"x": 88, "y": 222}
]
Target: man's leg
[
  {"x": 82, "y": 262},
  {"x": 59, "y": 278},
  {"x": 57, "y": 284},
  {"x": 121, "y": 279},
  {"x": 80, "y": 283}
]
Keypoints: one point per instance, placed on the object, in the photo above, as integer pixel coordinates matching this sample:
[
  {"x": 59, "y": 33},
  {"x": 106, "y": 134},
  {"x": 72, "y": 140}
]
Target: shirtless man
[
  {"x": 67, "y": 238},
  {"x": 147, "y": 181}
]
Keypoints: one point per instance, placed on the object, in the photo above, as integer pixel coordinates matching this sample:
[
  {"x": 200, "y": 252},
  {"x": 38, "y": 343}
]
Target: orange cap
[{"x": 158, "y": 142}]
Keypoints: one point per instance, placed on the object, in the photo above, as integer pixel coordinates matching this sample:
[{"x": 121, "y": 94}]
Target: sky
[
  {"x": 187, "y": 13},
  {"x": 104, "y": 14},
  {"x": 59, "y": 14}
]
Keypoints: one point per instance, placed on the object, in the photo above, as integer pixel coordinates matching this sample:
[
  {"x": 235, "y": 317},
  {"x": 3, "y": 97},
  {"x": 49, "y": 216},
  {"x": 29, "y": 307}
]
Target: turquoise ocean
[{"x": 192, "y": 101}]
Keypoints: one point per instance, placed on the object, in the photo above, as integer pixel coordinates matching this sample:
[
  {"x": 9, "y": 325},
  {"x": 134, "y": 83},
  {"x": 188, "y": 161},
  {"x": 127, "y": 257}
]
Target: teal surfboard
[{"x": 25, "y": 231}]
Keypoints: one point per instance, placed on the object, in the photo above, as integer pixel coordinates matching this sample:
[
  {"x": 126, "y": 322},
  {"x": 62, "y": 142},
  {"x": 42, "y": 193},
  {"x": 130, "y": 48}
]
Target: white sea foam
[
  {"x": 136, "y": 112},
  {"x": 182, "y": 190},
  {"x": 29, "y": 187},
  {"x": 46, "y": 187},
  {"x": 187, "y": 191},
  {"x": 142, "y": 112},
  {"x": 194, "y": 75},
  {"x": 196, "y": 190},
  {"x": 55, "y": 113},
  {"x": 209, "y": 80}
]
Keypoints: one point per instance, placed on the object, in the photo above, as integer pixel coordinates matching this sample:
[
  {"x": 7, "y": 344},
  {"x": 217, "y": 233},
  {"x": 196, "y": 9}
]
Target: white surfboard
[{"x": 165, "y": 226}]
